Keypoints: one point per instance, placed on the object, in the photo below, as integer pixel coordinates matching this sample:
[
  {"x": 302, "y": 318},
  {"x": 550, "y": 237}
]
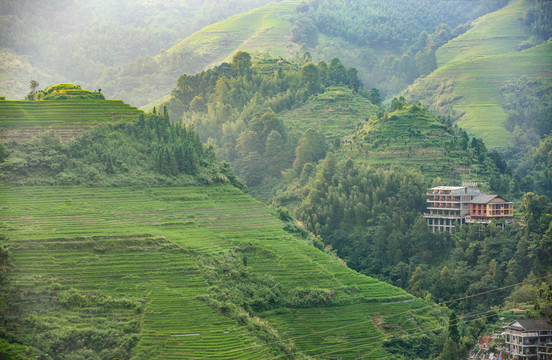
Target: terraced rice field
[
  {"x": 334, "y": 113},
  {"x": 144, "y": 244},
  {"x": 265, "y": 29},
  {"x": 473, "y": 68},
  {"x": 23, "y": 120},
  {"x": 413, "y": 139}
]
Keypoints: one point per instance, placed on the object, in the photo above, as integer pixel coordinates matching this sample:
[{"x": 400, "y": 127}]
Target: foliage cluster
[
  {"x": 236, "y": 108},
  {"x": 63, "y": 92},
  {"x": 539, "y": 17},
  {"x": 149, "y": 151},
  {"x": 529, "y": 105},
  {"x": 529, "y": 153},
  {"x": 396, "y": 22}
]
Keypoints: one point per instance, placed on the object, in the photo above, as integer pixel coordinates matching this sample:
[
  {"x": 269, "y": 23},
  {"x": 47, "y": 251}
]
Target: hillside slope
[
  {"x": 415, "y": 138},
  {"x": 77, "y": 41},
  {"x": 474, "y": 66},
  {"x": 262, "y": 30},
  {"x": 334, "y": 113},
  {"x": 20, "y": 121},
  {"x": 145, "y": 269}
]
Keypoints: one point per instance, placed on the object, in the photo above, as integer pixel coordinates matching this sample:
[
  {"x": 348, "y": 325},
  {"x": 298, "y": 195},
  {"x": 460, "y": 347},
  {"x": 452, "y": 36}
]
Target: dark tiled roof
[
  {"x": 483, "y": 199},
  {"x": 535, "y": 324}
]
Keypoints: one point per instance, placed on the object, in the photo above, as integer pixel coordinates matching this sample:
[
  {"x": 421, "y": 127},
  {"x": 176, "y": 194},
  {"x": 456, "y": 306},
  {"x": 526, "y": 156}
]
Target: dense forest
[
  {"x": 236, "y": 108},
  {"x": 372, "y": 219}
]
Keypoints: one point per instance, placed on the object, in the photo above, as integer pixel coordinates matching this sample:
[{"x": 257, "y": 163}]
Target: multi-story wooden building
[
  {"x": 448, "y": 206},
  {"x": 485, "y": 208},
  {"x": 528, "y": 339}
]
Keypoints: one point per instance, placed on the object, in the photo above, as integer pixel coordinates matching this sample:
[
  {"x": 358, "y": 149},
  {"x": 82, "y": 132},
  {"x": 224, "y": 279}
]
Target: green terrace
[
  {"x": 334, "y": 113},
  {"x": 129, "y": 261},
  {"x": 22, "y": 120},
  {"x": 413, "y": 138}
]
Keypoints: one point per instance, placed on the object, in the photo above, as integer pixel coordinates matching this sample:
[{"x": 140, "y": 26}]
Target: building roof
[
  {"x": 531, "y": 324},
  {"x": 485, "y": 199},
  {"x": 448, "y": 188}
]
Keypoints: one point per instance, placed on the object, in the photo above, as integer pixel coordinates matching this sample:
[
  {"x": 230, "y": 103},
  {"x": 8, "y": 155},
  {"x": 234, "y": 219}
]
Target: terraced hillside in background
[
  {"x": 413, "y": 137},
  {"x": 122, "y": 268},
  {"x": 335, "y": 113},
  {"x": 473, "y": 67},
  {"x": 262, "y": 30},
  {"x": 23, "y": 120}
]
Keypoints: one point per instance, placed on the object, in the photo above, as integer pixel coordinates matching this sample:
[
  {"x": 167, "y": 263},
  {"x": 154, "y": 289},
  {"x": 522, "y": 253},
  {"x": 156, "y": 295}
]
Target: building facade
[
  {"x": 528, "y": 339},
  {"x": 448, "y": 206},
  {"x": 485, "y": 208}
]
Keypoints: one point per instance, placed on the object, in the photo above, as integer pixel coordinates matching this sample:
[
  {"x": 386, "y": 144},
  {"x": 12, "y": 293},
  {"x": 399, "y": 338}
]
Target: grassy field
[
  {"x": 22, "y": 120},
  {"x": 474, "y": 66},
  {"x": 143, "y": 246}
]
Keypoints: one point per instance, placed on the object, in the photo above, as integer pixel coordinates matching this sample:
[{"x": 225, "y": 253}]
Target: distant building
[
  {"x": 449, "y": 206},
  {"x": 528, "y": 339},
  {"x": 485, "y": 208}
]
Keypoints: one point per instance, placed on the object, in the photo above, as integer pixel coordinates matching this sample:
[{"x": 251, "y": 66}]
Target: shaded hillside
[
  {"x": 76, "y": 41},
  {"x": 411, "y": 136},
  {"x": 250, "y": 111},
  {"x": 473, "y": 68}
]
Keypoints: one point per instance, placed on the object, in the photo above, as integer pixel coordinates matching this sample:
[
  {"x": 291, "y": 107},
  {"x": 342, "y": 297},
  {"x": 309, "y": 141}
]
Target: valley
[{"x": 253, "y": 179}]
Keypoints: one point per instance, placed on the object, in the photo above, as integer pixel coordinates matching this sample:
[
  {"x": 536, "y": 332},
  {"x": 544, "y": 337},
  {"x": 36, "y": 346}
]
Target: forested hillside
[
  {"x": 243, "y": 109},
  {"x": 268, "y": 29}
]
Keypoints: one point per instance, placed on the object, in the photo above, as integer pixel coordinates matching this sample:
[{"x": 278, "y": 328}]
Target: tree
[
  {"x": 33, "y": 85},
  {"x": 310, "y": 75},
  {"x": 533, "y": 209},
  {"x": 311, "y": 148},
  {"x": 242, "y": 62}
]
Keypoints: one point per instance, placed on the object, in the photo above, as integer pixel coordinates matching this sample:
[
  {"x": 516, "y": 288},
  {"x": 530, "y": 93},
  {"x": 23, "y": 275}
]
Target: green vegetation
[
  {"x": 20, "y": 121},
  {"x": 248, "y": 111},
  {"x": 410, "y": 135},
  {"x": 471, "y": 73},
  {"x": 265, "y": 32},
  {"x": 335, "y": 113},
  {"x": 261, "y": 30},
  {"x": 80, "y": 40},
  {"x": 372, "y": 219},
  {"x": 184, "y": 258},
  {"x": 149, "y": 151},
  {"x": 66, "y": 91}
]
